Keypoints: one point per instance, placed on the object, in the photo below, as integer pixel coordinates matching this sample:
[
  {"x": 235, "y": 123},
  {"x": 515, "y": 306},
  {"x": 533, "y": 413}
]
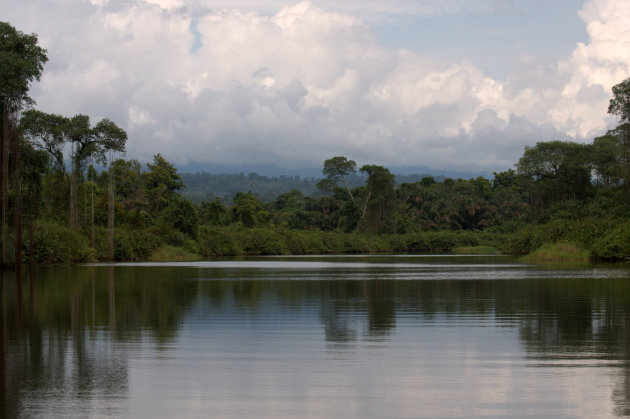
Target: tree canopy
[{"x": 22, "y": 63}]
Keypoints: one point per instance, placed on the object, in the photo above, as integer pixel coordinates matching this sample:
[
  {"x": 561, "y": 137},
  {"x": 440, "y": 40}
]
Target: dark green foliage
[
  {"x": 614, "y": 244},
  {"x": 208, "y": 187},
  {"x": 261, "y": 241},
  {"x": 378, "y": 200},
  {"x": 45, "y": 131},
  {"x": 181, "y": 215},
  {"x": 133, "y": 245},
  {"x": 440, "y": 241},
  {"x": 336, "y": 170},
  {"x": 161, "y": 181},
  {"x": 57, "y": 244},
  {"x": 555, "y": 171},
  {"x": 213, "y": 213},
  {"x": 217, "y": 241},
  {"x": 22, "y": 63},
  {"x": 620, "y": 103},
  {"x": 606, "y": 238},
  {"x": 249, "y": 211}
]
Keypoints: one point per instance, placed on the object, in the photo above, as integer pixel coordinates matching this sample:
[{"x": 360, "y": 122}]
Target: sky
[{"x": 457, "y": 85}]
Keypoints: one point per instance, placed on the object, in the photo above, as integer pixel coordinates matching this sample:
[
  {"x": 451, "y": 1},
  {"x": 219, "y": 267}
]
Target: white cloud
[{"x": 298, "y": 85}]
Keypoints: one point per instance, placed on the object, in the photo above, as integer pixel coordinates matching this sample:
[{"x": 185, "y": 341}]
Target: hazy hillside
[{"x": 202, "y": 186}]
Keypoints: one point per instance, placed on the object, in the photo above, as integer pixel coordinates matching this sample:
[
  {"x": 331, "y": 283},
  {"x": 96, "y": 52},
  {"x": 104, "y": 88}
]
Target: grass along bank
[{"x": 558, "y": 252}]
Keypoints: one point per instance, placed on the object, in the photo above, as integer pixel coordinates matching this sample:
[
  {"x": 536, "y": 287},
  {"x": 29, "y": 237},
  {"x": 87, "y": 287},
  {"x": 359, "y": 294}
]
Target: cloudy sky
[{"x": 444, "y": 84}]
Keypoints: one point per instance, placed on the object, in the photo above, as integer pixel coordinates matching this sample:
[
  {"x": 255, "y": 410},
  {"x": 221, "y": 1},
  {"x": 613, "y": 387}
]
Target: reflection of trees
[
  {"x": 621, "y": 392},
  {"x": 381, "y": 306},
  {"x": 338, "y": 300},
  {"x": 55, "y": 320},
  {"x": 60, "y": 328}
]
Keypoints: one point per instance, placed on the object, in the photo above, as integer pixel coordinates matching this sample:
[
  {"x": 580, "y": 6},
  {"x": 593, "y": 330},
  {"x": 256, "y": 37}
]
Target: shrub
[
  {"x": 615, "y": 244},
  {"x": 217, "y": 241},
  {"x": 558, "y": 252},
  {"x": 261, "y": 241},
  {"x": 58, "y": 244},
  {"x": 173, "y": 254}
]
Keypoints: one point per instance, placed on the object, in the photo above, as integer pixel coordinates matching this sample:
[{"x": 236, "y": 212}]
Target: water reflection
[{"x": 75, "y": 338}]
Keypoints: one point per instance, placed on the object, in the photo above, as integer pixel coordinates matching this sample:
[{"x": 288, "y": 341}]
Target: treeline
[
  {"x": 202, "y": 186},
  {"x": 559, "y": 191}
]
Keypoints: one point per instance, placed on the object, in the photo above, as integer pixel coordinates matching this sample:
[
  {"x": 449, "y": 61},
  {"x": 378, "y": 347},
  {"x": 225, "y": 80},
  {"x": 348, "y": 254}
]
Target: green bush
[
  {"x": 131, "y": 245},
  {"x": 615, "y": 244},
  {"x": 558, "y": 252},
  {"x": 173, "y": 254},
  {"x": 58, "y": 244},
  {"x": 217, "y": 241},
  {"x": 261, "y": 241}
]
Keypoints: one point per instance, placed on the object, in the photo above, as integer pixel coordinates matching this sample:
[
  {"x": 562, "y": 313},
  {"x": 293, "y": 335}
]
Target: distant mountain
[
  {"x": 316, "y": 172},
  {"x": 202, "y": 186},
  {"x": 208, "y": 187}
]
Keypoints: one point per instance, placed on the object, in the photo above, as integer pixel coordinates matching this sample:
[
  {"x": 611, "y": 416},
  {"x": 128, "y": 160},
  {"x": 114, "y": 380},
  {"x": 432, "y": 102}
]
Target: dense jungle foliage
[{"x": 67, "y": 195}]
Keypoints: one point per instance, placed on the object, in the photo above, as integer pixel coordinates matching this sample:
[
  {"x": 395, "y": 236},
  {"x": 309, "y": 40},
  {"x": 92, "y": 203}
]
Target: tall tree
[
  {"x": 378, "y": 208},
  {"x": 84, "y": 145},
  {"x": 46, "y": 132},
  {"x": 619, "y": 105},
  {"x": 336, "y": 170},
  {"x": 110, "y": 139},
  {"x": 558, "y": 170},
  {"x": 34, "y": 164},
  {"x": 161, "y": 182},
  {"x": 21, "y": 62}
]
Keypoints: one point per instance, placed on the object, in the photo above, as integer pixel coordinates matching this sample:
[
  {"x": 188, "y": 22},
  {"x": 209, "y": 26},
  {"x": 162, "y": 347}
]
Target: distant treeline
[{"x": 202, "y": 186}]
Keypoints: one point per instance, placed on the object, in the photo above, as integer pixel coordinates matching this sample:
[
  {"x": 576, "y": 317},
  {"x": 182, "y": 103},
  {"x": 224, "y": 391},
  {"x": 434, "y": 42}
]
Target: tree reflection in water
[{"x": 67, "y": 332}]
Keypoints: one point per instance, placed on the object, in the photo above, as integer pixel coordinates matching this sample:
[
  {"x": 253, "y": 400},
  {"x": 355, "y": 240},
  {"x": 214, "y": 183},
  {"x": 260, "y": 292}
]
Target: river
[{"x": 405, "y": 336}]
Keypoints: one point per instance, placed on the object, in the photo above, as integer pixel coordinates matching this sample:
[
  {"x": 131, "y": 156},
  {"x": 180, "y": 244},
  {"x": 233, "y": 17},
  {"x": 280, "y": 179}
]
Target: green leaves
[
  {"x": 45, "y": 131},
  {"x": 619, "y": 105},
  {"x": 161, "y": 182},
  {"x": 21, "y": 62},
  {"x": 336, "y": 169}
]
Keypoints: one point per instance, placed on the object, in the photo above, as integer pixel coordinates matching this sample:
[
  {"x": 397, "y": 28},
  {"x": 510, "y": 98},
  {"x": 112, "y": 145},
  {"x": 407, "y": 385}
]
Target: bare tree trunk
[
  {"x": 92, "y": 211},
  {"x": 349, "y": 191},
  {"x": 17, "y": 188},
  {"x": 4, "y": 181},
  {"x": 110, "y": 209},
  {"x": 74, "y": 189},
  {"x": 31, "y": 241},
  {"x": 367, "y": 201}
]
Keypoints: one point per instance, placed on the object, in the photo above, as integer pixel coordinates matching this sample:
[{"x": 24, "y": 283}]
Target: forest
[{"x": 68, "y": 195}]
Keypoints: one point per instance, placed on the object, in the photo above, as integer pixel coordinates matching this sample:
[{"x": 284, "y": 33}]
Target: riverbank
[{"x": 596, "y": 239}]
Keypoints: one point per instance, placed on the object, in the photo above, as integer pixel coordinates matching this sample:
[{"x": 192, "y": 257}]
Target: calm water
[{"x": 377, "y": 336}]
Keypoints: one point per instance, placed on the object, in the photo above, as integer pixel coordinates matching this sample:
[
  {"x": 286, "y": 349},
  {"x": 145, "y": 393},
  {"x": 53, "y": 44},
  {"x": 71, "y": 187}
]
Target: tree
[
  {"x": 558, "y": 170},
  {"x": 22, "y": 61},
  {"x": 620, "y": 103},
  {"x": 336, "y": 169},
  {"x": 110, "y": 139},
  {"x": 607, "y": 157},
  {"x": 249, "y": 211},
  {"x": 378, "y": 208},
  {"x": 46, "y": 132},
  {"x": 33, "y": 166},
  {"x": 87, "y": 142},
  {"x": 161, "y": 182},
  {"x": 81, "y": 136},
  {"x": 213, "y": 213},
  {"x": 181, "y": 215}
]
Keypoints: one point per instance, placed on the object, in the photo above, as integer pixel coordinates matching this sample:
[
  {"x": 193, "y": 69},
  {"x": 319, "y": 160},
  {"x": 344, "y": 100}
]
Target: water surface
[{"x": 347, "y": 336}]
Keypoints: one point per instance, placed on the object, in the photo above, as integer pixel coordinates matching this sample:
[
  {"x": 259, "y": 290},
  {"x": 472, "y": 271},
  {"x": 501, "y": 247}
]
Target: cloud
[{"x": 244, "y": 85}]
